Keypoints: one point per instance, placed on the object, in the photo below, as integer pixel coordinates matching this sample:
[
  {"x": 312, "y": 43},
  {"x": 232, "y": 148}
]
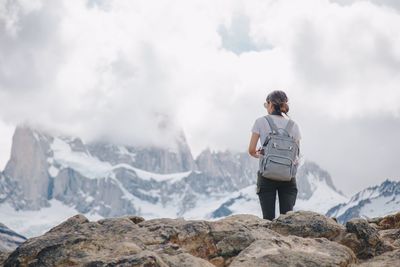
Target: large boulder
[
  {"x": 391, "y": 236},
  {"x": 388, "y": 259},
  {"x": 363, "y": 238},
  {"x": 294, "y": 251},
  {"x": 389, "y": 229},
  {"x": 390, "y": 222},
  {"x": 307, "y": 224}
]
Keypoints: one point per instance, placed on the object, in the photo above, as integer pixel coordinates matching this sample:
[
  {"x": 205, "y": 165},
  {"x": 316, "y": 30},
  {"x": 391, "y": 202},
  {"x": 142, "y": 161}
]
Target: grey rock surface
[{"x": 28, "y": 167}]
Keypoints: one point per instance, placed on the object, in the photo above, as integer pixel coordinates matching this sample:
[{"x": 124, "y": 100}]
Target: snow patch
[
  {"x": 85, "y": 164},
  {"x": 53, "y": 171},
  {"x": 171, "y": 177},
  {"x": 34, "y": 223},
  {"x": 322, "y": 199}
]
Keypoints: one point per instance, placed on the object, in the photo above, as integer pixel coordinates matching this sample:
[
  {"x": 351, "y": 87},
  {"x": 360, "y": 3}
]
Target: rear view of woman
[{"x": 276, "y": 105}]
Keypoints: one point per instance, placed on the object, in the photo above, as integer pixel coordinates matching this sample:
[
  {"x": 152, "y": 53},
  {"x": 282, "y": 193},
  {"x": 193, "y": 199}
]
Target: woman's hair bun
[{"x": 279, "y": 99}]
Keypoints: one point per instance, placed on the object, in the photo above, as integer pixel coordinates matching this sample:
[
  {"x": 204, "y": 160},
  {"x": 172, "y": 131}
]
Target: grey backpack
[{"x": 278, "y": 159}]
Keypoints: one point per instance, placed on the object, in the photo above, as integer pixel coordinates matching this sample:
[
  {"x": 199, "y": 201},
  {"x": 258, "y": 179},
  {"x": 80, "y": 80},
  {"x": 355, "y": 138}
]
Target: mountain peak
[{"x": 312, "y": 173}]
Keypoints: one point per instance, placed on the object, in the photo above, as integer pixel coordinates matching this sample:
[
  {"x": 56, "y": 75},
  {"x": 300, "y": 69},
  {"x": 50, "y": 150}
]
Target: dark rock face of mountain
[
  {"x": 9, "y": 240},
  {"x": 380, "y": 199}
]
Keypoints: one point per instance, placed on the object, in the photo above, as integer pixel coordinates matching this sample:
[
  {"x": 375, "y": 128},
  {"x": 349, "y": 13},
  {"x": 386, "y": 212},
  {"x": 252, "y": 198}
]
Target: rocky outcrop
[
  {"x": 308, "y": 224},
  {"x": 391, "y": 236},
  {"x": 389, "y": 222},
  {"x": 295, "y": 239},
  {"x": 364, "y": 239},
  {"x": 239, "y": 240}
]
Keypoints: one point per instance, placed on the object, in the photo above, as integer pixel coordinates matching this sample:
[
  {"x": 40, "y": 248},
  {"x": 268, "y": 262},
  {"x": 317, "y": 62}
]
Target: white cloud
[{"x": 103, "y": 68}]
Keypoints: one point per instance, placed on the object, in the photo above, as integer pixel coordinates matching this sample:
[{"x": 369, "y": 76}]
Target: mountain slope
[
  {"x": 371, "y": 202},
  {"x": 9, "y": 239}
]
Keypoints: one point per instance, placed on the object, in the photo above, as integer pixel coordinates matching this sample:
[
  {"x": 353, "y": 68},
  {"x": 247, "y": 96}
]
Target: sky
[{"x": 116, "y": 70}]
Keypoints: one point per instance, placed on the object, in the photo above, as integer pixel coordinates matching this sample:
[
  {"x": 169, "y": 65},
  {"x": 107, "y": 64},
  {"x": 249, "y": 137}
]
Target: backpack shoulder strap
[
  {"x": 289, "y": 126},
  {"x": 271, "y": 124}
]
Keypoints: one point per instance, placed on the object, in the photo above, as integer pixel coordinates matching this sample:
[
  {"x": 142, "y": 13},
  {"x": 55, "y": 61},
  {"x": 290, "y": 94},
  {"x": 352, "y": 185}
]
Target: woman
[{"x": 276, "y": 104}]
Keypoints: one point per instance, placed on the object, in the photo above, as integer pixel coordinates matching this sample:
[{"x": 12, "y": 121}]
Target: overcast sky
[{"x": 115, "y": 69}]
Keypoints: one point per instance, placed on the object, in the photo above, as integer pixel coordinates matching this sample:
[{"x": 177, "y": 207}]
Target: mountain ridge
[{"x": 373, "y": 201}]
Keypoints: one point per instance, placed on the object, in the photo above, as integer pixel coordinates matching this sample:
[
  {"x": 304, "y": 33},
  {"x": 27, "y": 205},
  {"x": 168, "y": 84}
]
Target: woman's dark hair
[{"x": 279, "y": 101}]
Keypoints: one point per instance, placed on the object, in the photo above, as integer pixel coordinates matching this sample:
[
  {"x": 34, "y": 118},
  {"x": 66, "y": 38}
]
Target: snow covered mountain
[
  {"x": 48, "y": 172},
  {"x": 316, "y": 192},
  {"x": 49, "y": 178},
  {"x": 371, "y": 202},
  {"x": 9, "y": 239}
]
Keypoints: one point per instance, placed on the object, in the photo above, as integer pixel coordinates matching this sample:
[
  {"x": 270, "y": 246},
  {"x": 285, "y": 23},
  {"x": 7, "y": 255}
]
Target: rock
[
  {"x": 129, "y": 241},
  {"x": 136, "y": 219},
  {"x": 294, "y": 251},
  {"x": 307, "y": 224},
  {"x": 392, "y": 236},
  {"x": 185, "y": 260},
  {"x": 388, "y": 259},
  {"x": 3, "y": 256},
  {"x": 364, "y": 239},
  {"x": 374, "y": 220},
  {"x": 390, "y": 222}
]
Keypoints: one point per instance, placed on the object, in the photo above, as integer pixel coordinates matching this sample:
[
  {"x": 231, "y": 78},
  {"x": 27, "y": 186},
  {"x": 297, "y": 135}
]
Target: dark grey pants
[{"x": 266, "y": 191}]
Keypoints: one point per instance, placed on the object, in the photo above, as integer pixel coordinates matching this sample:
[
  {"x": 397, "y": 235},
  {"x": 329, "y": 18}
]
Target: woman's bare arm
[{"x": 253, "y": 144}]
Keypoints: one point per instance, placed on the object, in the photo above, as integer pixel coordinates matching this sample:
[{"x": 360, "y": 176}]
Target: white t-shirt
[{"x": 261, "y": 126}]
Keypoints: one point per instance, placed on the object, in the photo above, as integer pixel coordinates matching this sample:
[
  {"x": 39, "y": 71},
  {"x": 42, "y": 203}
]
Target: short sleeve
[
  {"x": 296, "y": 132},
  {"x": 256, "y": 127}
]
